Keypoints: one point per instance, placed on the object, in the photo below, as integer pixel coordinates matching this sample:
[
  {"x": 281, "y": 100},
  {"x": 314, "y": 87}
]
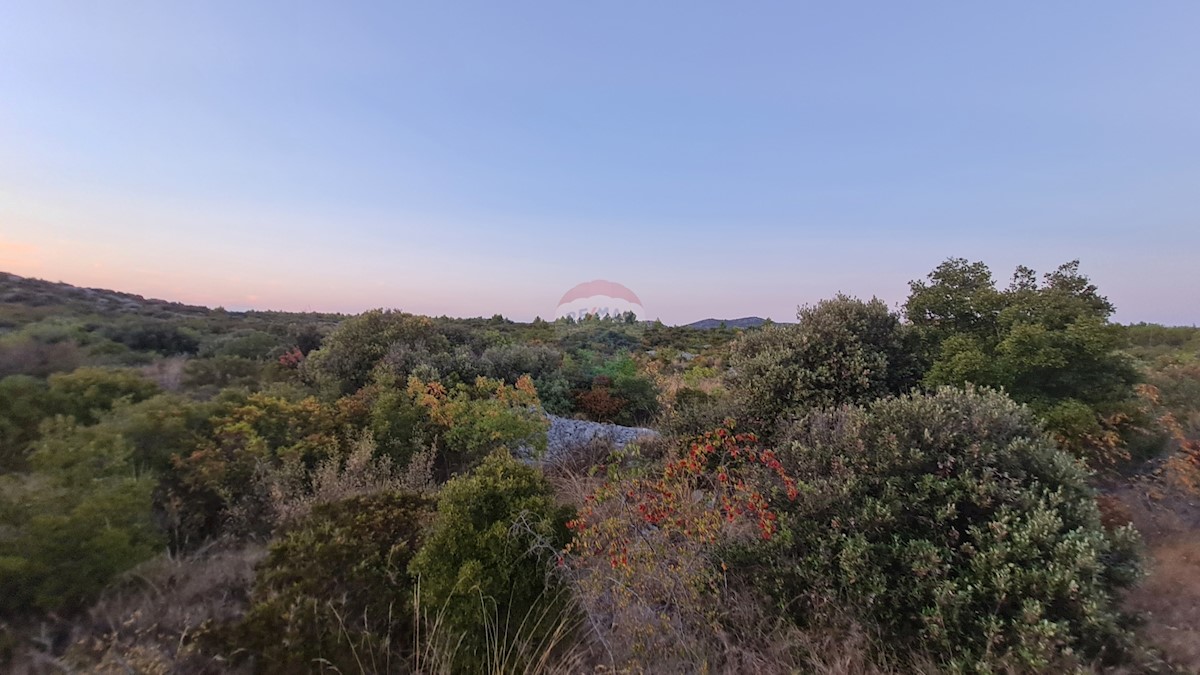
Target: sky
[{"x": 719, "y": 159}]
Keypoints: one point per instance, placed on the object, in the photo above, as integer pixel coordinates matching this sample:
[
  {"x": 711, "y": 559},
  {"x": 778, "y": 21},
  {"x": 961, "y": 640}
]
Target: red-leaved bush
[{"x": 644, "y": 559}]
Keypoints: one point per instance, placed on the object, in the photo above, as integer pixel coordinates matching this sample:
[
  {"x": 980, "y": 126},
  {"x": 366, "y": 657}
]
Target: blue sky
[{"x": 720, "y": 159}]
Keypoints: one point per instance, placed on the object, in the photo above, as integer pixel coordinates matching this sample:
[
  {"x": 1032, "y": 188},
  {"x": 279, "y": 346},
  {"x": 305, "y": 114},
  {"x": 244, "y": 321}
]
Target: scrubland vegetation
[{"x": 991, "y": 478}]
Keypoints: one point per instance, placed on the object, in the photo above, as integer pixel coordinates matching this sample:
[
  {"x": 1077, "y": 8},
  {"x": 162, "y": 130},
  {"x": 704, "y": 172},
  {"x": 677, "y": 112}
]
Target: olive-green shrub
[
  {"x": 486, "y": 564},
  {"x": 955, "y": 526},
  {"x": 334, "y": 591},
  {"x": 842, "y": 350}
]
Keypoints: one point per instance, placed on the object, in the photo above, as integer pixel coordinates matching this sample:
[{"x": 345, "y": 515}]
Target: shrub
[
  {"x": 154, "y": 620},
  {"x": 467, "y": 422},
  {"x": 334, "y": 593},
  {"x": 222, "y": 371},
  {"x": 842, "y": 350},
  {"x": 488, "y": 555},
  {"x": 83, "y": 517},
  {"x": 952, "y": 523},
  {"x": 694, "y": 412},
  {"x": 21, "y": 355},
  {"x": 244, "y": 344},
  {"x": 67, "y": 552},
  {"x": 395, "y": 420},
  {"x": 510, "y": 362},
  {"x": 645, "y": 560},
  {"x": 159, "y": 428},
  {"x": 640, "y": 398},
  {"x": 294, "y": 491},
  {"x": 216, "y": 487},
  {"x": 306, "y": 337},
  {"x": 346, "y": 358},
  {"x": 150, "y": 335},
  {"x": 554, "y": 391},
  {"x": 87, "y": 392},
  {"x": 24, "y": 403},
  {"x": 600, "y": 403}
]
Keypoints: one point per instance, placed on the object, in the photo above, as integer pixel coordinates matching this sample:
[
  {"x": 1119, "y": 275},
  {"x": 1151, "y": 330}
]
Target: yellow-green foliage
[
  {"x": 469, "y": 421},
  {"x": 489, "y": 555},
  {"x": 86, "y": 392},
  {"x": 254, "y": 434},
  {"x": 79, "y": 519}
]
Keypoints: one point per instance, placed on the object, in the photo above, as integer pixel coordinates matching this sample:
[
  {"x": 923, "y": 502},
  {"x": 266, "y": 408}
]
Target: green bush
[
  {"x": 24, "y": 403},
  {"x": 159, "y": 428},
  {"x": 1048, "y": 344},
  {"x": 20, "y": 355},
  {"x": 510, "y": 362},
  {"x": 244, "y": 344},
  {"x": 223, "y": 371},
  {"x": 217, "y": 488},
  {"x": 486, "y": 562},
  {"x": 83, "y": 517},
  {"x": 640, "y": 396},
  {"x": 151, "y": 335},
  {"x": 468, "y": 422},
  {"x": 334, "y": 592},
  {"x": 953, "y": 524},
  {"x": 87, "y": 393},
  {"x": 396, "y": 422},
  {"x": 346, "y": 358},
  {"x": 842, "y": 350},
  {"x": 695, "y": 412},
  {"x": 554, "y": 391}
]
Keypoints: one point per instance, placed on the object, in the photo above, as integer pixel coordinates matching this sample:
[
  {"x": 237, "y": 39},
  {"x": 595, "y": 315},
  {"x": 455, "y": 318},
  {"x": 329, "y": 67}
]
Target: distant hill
[
  {"x": 744, "y": 322},
  {"x": 28, "y": 292},
  {"x": 41, "y": 297}
]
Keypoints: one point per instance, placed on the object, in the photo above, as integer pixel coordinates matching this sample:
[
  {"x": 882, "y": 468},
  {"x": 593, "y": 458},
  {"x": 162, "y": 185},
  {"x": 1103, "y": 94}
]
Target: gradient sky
[{"x": 720, "y": 159}]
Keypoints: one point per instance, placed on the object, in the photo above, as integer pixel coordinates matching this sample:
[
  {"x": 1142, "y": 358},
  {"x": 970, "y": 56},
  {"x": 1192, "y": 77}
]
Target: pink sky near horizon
[
  {"x": 191, "y": 282},
  {"x": 256, "y": 257}
]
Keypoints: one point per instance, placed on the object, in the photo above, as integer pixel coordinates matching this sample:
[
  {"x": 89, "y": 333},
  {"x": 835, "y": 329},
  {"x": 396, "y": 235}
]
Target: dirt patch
[{"x": 1167, "y": 600}]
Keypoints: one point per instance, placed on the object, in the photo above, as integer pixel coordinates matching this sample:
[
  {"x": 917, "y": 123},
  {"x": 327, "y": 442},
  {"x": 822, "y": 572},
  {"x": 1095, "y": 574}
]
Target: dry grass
[
  {"x": 292, "y": 492},
  {"x": 167, "y": 372},
  {"x": 149, "y": 622},
  {"x": 432, "y": 648}
]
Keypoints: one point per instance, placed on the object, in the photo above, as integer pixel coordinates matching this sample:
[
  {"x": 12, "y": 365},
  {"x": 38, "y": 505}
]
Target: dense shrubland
[{"x": 193, "y": 490}]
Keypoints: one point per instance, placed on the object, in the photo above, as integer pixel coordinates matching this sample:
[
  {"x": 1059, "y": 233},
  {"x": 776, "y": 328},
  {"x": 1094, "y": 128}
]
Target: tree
[
  {"x": 1049, "y": 345},
  {"x": 958, "y": 298}
]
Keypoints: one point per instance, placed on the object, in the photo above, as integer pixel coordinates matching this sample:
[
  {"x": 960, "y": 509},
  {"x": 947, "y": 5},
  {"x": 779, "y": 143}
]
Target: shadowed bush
[{"x": 334, "y": 592}]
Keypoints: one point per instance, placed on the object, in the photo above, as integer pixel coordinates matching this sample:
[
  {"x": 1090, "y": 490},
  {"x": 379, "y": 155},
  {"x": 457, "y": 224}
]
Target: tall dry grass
[{"x": 150, "y": 620}]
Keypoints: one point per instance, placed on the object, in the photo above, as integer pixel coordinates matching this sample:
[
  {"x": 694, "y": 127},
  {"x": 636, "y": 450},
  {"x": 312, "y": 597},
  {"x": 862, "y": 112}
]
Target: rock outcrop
[{"x": 567, "y": 435}]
